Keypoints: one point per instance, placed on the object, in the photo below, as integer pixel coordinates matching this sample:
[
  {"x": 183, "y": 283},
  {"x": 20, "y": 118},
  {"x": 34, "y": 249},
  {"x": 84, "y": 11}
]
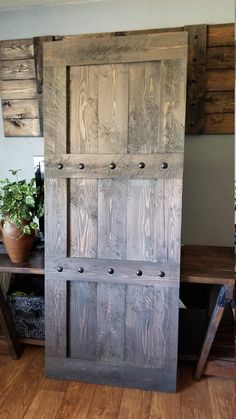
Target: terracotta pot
[{"x": 18, "y": 246}]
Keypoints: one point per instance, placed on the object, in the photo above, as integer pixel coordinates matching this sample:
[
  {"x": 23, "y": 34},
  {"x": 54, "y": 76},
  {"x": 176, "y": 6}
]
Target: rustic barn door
[{"x": 114, "y": 126}]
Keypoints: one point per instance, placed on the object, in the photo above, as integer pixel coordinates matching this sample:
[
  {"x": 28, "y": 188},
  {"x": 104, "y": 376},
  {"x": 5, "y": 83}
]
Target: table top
[{"x": 199, "y": 264}]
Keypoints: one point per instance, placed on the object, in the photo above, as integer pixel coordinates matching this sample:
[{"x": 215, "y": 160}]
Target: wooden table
[{"x": 199, "y": 265}]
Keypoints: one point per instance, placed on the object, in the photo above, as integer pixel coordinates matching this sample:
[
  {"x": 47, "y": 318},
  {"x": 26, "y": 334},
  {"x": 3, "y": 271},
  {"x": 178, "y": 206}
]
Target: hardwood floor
[{"x": 26, "y": 393}]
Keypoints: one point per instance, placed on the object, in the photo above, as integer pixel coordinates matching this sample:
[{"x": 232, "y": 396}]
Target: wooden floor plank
[
  {"x": 26, "y": 394},
  {"x": 135, "y": 404},
  {"x": 77, "y": 401},
  {"x": 106, "y": 403},
  {"x": 45, "y": 405},
  {"x": 222, "y": 398}
]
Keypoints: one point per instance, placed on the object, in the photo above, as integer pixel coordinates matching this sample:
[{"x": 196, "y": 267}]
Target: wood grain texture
[
  {"x": 173, "y": 97},
  {"x": 221, "y": 123},
  {"x": 17, "y": 127},
  {"x": 147, "y": 319},
  {"x": 221, "y": 35},
  {"x": 83, "y": 109},
  {"x": 106, "y": 402},
  {"x": 97, "y": 166},
  {"x": 117, "y": 49},
  {"x": 135, "y": 404},
  {"x": 83, "y": 320},
  {"x": 220, "y": 80},
  {"x": 112, "y": 229},
  {"x": 17, "y": 69},
  {"x": 146, "y": 209},
  {"x": 113, "y": 108},
  {"x": 219, "y": 102},
  {"x": 220, "y": 57},
  {"x": 56, "y": 217},
  {"x": 111, "y": 322},
  {"x": 16, "y": 49},
  {"x": 45, "y": 401},
  {"x": 144, "y": 108},
  {"x": 56, "y": 324},
  {"x": 165, "y": 406},
  {"x": 18, "y": 89},
  {"x": 196, "y": 82},
  {"x": 77, "y": 401},
  {"x": 83, "y": 217},
  {"x": 55, "y": 110},
  {"x": 20, "y": 108},
  {"x": 173, "y": 213}
]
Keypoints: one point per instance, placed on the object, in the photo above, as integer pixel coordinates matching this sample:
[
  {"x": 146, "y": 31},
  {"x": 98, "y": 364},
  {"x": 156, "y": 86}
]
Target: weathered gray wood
[
  {"x": 22, "y": 108},
  {"x": 144, "y": 107},
  {"x": 17, "y": 49},
  {"x": 17, "y": 127},
  {"x": 84, "y": 109},
  {"x": 56, "y": 217},
  {"x": 146, "y": 223},
  {"x": 173, "y": 214},
  {"x": 112, "y": 229},
  {"x": 110, "y": 322},
  {"x": 56, "y": 315},
  {"x": 83, "y": 218},
  {"x": 116, "y": 50},
  {"x": 147, "y": 319},
  {"x": 17, "y": 69},
  {"x": 113, "y": 108},
  {"x": 173, "y": 95},
  {"x": 127, "y": 165},
  {"x": 55, "y": 110},
  {"x": 83, "y": 313},
  {"x": 116, "y": 374},
  {"x": 18, "y": 89}
]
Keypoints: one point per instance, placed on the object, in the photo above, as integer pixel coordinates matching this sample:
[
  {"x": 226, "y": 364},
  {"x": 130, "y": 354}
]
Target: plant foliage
[{"x": 20, "y": 203}]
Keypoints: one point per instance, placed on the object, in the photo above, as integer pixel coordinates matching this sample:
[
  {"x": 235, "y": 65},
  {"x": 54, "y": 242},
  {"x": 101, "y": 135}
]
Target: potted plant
[{"x": 20, "y": 203}]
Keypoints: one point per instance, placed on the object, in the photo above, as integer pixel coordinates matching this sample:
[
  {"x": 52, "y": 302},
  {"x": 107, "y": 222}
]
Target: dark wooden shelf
[{"x": 34, "y": 265}]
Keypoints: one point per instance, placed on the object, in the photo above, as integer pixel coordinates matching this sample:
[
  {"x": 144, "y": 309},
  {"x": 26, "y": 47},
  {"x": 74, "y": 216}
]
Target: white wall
[{"x": 207, "y": 199}]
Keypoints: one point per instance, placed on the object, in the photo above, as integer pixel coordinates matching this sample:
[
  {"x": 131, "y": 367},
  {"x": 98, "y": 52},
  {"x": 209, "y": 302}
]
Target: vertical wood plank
[
  {"x": 147, "y": 321},
  {"x": 173, "y": 213},
  {"x": 146, "y": 226},
  {"x": 83, "y": 218},
  {"x": 197, "y": 40},
  {"x": 112, "y": 228},
  {"x": 84, "y": 109},
  {"x": 173, "y": 100},
  {"x": 83, "y": 319},
  {"x": 56, "y": 217},
  {"x": 56, "y": 318},
  {"x": 110, "y": 322},
  {"x": 55, "y": 109},
  {"x": 113, "y": 108},
  {"x": 144, "y": 107}
]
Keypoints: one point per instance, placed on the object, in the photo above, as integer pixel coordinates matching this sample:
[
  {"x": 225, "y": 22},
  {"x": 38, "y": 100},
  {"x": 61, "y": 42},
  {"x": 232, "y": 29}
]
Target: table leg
[
  {"x": 8, "y": 328},
  {"x": 211, "y": 331}
]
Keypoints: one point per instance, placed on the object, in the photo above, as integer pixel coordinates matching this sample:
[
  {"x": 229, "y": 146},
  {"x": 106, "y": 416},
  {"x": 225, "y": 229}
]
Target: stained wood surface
[
  {"x": 16, "y": 49},
  {"x": 20, "y": 109},
  {"x": 197, "y": 43},
  {"x": 220, "y": 80},
  {"x": 17, "y": 127},
  {"x": 127, "y": 165},
  {"x": 207, "y": 399},
  {"x": 221, "y": 35},
  {"x": 138, "y": 48},
  {"x": 17, "y": 69},
  {"x": 106, "y": 168},
  {"x": 219, "y": 102},
  {"x": 220, "y": 57},
  {"x": 222, "y": 123},
  {"x": 18, "y": 89}
]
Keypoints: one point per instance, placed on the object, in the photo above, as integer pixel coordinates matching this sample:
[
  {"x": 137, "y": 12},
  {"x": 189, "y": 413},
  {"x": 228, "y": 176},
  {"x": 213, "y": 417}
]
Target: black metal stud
[
  {"x": 162, "y": 274},
  {"x": 164, "y": 165},
  {"x": 111, "y": 271},
  {"x": 60, "y": 268},
  {"x": 141, "y": 165},
  {"x": 60, "y": 166},
  {"x": 139, "y": 273},
  {"x": 81, "y": 270},
  {"x": 112, "y": 166},
  {"x": 81, "y": 166}
]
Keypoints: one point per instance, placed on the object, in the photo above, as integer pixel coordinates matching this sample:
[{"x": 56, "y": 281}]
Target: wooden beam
[{"x": 196, "y": 78}]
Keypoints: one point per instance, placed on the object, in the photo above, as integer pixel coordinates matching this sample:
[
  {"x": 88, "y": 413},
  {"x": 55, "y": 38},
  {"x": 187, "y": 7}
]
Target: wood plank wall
[{"x": 210, "y": 91}]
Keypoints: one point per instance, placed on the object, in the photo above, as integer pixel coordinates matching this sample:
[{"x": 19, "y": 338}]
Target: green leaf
[
  {"x": 30, "y": 200},
  {"x": 26, "y": 229}
]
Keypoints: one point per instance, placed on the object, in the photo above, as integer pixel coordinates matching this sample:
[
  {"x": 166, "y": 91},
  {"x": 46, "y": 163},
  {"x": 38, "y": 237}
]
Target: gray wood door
[{"x": 114, "y": 126}]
